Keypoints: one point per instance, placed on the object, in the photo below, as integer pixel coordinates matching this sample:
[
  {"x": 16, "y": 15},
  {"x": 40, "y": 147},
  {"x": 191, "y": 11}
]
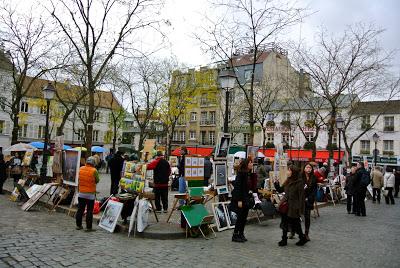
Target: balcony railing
[
  {"x": 388, "y": 128},
  {"x": 389, "y": 153},
  {"x": 366, "y": 152},
  {"x": 207, "y": 122}
]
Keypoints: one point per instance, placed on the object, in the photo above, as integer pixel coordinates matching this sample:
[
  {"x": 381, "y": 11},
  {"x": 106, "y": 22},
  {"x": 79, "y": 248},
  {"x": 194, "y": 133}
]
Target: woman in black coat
[
  {"x": 240, "y": 199},
  {"x": 310, "y": 188}
]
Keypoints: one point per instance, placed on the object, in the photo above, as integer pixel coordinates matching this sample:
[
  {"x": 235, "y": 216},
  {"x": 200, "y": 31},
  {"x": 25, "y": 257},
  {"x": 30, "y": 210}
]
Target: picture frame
[
  {"x": 110, "y": 217},
  {"x": 71, "y": 167},
  {"x": 195, "y": 162},
  {"x": 201, "y": 162},
  {"x": 173, "y": 161},
  {"x": 220, "y": 174},
  {"x": 188, "y": 161},
  {"x": 220, "y": 216},
  {"x": 223, "y": 145},
  {"x": 194, "y": 172},
  {"x": 188, "y": 172},
  {"x": 252, "y": 151},
  {"x": 200, "y": 172},
  {"x": 230, "y": 215}
]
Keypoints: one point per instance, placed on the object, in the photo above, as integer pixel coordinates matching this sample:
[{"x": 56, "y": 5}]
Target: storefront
[{"x": 380, "y": 160}]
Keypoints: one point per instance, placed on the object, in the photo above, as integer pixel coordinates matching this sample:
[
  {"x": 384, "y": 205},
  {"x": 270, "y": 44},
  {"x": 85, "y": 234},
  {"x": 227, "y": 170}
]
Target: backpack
[{"x": 365, "y": 179}]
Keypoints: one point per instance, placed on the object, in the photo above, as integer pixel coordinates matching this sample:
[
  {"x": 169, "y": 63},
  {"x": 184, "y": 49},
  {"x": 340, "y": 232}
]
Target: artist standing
[
  {"x": 88, "y": 178},
  {"x": 161, "y": 173},
  {"x": 240, "y": 199},
  {"x": 208, "y": 170},
  {"x": 116, "y": 164}
]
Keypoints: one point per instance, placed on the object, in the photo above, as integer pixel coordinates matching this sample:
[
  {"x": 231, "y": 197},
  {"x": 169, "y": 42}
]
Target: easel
[
  {"x": 177, "y": 197},
  {"x": 133, "y": 221}
]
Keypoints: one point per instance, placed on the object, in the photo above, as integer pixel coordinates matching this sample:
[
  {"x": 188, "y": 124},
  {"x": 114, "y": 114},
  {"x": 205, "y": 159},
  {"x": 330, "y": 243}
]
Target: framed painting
[
  {"x": 230, "y": 215},
  {"x": 71, "y": 167},
  {"x": 111, "y": 214},
  {"x": 220, "y": 216},
  {"x": 195, "y": 161},
  {"x": 252, "y": 152},
  {"x": 222, "y": 150},
  {"x": 188, "y": 161},
  {"x": 220, "y": 174}
]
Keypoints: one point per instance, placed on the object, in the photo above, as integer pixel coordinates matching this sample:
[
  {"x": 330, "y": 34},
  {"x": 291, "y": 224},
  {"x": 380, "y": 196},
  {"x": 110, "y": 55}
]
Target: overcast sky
[{"x": 334, "y": 15}]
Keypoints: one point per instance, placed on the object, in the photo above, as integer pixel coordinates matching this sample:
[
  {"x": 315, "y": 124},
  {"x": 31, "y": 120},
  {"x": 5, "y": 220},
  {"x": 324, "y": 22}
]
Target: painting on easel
[{"x": 71, "y": 167}]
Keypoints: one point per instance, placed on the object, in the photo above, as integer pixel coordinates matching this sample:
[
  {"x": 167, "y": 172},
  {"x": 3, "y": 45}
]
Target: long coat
[{"x": 294, "y": 193}]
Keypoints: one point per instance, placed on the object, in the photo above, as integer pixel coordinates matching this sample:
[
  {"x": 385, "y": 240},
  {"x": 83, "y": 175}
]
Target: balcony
[
  {"x": 388, "y": 153},
  {"x": 207, "y": 123},
  {"x": 388, "y": 128},
  {"x": 365, "y": 152}
]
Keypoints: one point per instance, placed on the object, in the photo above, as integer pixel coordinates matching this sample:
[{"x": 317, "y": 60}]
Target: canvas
[
  {"x": 220, "y": 174},
  {"x": 71, "y": 167},
  {"x": 195, "y": 162},
  {"x": 111, "y": 215},
  {"x": 220, "y": 216},
  {"x": 252, "y": 152},
  {"x": 230, "y": 215}
]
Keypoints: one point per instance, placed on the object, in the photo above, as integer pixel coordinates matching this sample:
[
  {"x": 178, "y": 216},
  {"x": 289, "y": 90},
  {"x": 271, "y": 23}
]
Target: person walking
[
  {"x": 88, "y": 178},
  {"x": 363, "y": 179},
  {"x": 396, "y": 183},
  {"x": 240, "y": 199},
  {"x": 116, "y": 165},
  {"x": 294, "y": 194},
  {"x": 388, "y": 184},
  {"x": 351, "y": 190},
  {"x": 208, "y": 170},
  {"x": 377, "y": 184},
  {"x": 310, "y": 188},
  {"x": 161, "y": 173},
  {"x": 3, "y": 173}
]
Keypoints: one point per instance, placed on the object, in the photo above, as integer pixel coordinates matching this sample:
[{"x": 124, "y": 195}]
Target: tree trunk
[
  {"x": 89, "y": 133},
  {"x": 15, "y": 130},
  {"x": 114, "y": 135},
  {"x": 331, "y": 128}
]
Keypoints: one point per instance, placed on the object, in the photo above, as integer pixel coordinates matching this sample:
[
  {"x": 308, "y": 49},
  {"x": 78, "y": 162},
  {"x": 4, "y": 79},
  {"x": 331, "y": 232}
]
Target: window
[
  {"x": 309, "y": 116},
  {"x": 24, "y": 107},
  {"x": 389, "y": 123},
  {"x": 2, "y": 126},
  {"x": 270, "y": 117},
  {"x": 309, "y": 136},
  {"x": 3, "y": 103},
  {"x": 285, "y": 137},
  {"x": 193, "y": 116},
  {"x": 212, "y": 118},
  {"x": 41, "y": 132},
  {"x": 43, "y": 109},
  {"x": 245, "y": 116},
  {"x": 182, "y": 136},
  {"x": 246, "y": 138},
  {"x": 286, "y": 116},
  {"x": 23, "y": 131},
  {"x": 204, "y": 99},
  {"x": 365, "y": 122},
  {"x": 270, "y": 137},
  {"x": 211, "y": 136},
  {"x": 181, "y": 120},
  {"x": 365, "y": 146},
  {"x": 96, "y": 116},
  {"x": 203, "y": 118},
  {"x": 203, "y": 135},
  {"x": 81, "y": 134},
  {"x": 192, "y": 135},
  {"x": 388, "y": 145},
  {"x": 175, "y": 136},
  {"x": 95, "y": 135},
  {"x": 247, "y": 75}
]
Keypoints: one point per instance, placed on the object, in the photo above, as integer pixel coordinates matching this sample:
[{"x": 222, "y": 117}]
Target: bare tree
[
  {"x": 252, "y": 25},
  {"x": 32, "y": 53},
  {"x": 97, "y": 30},
  {"x": 346, "y": 65}
]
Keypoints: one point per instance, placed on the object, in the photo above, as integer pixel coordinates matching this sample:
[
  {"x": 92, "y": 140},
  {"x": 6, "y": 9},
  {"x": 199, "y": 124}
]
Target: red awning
[
  {"x": 304, "y": 155},
  {"x": 203, "y": 151}
]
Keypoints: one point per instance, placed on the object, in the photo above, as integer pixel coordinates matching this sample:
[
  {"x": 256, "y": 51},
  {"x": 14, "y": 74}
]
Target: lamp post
[
  {"x": 48, "y": 93},
  {"x": 375, "y": 137},
  {"x": 227, "y": 79},
  {"x": 291, "y": 145},
  {"x": 339, "y": 126}
]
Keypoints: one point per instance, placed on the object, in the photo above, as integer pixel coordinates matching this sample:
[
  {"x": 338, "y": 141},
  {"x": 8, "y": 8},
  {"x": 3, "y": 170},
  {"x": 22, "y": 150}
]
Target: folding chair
[{"x": 197, "y": 216}]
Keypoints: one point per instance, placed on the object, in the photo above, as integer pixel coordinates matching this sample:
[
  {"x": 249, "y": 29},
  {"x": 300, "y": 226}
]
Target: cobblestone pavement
[{"x": 39, "y": 239}]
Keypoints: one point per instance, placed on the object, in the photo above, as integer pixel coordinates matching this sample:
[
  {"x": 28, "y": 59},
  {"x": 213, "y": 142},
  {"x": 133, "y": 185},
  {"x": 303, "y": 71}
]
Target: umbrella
[
  {"x": 20, "y": 147},
  {"x": 260, "y": 155},
  {"x": 37, "y": 144},
  {"x": 98, "y": 149},
  {"x": 83, "y": 149},
  {"x": 67, "y": 147},
  {"x": 240, "y": 154}
]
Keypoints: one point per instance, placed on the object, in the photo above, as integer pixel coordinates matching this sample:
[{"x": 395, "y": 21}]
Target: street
[{"x": 39, "y": 239}]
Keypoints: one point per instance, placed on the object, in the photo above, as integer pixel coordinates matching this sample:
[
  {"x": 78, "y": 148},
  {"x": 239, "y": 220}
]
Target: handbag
[
  {"x": 385, "y": 192},
  {"x": 283, "y": 206}
]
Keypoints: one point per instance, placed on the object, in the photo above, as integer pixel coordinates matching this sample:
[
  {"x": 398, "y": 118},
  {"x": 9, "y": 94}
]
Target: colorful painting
[
  {"x": 111, "y": 215},
  {"x": 71, "y": 167}
]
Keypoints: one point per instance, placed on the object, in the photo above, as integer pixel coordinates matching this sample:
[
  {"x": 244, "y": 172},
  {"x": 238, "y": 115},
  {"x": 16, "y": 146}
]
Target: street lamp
[
  {"x": 291, "y": 145},
  {"x": 48, "y": 93},
  {"x": 227, "y": 79},
  {"x": 375, "y": 137},
  {"x": 339, "y": 126}
]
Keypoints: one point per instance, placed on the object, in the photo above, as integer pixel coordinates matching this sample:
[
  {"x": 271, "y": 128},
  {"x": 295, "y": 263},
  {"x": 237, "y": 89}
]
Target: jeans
[
  {"x": 376, "y": 192},
  {"x": 389, "y": 195},
  {"x": 89, "y": 204},
  {"x": 161, "y": 195},
  {"x": 241, "y": 219},
  {"x": 182, "y": 189}
]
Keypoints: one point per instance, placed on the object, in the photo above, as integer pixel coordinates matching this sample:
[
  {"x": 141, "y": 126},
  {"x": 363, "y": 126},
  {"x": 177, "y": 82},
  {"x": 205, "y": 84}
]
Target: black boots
[
  {"x": 302, "y": 240},
  {"x": 283, "y": 242},
  {"x": 238, "y": 238}
]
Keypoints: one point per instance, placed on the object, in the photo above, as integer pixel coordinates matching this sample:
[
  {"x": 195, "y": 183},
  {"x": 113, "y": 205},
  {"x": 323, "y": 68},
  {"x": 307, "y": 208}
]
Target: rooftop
[{"x": 376, "y": 107}]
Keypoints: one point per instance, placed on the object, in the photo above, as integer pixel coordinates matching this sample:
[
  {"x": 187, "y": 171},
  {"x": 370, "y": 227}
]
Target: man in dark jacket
[
  {"x": 360, "y": 190},
  {"x": 208, "y": 170},
  {"x": 350, "y": 190},
  {"x": 116, "y": 164},
  {"x": 161, "y": 173}
]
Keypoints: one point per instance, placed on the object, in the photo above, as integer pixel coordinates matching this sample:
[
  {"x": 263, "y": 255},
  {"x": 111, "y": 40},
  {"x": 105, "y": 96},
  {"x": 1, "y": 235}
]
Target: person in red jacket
[
  {"x": 88, "y": 178},
  {"x": 161, "y": 172}
]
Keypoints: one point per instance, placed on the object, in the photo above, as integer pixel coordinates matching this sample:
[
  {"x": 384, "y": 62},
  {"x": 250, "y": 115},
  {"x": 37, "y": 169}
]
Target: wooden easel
[{"x": 174, "y": 206}]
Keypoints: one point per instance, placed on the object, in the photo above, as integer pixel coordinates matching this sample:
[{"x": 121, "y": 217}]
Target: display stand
[{"x": 133, "y": 219}]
